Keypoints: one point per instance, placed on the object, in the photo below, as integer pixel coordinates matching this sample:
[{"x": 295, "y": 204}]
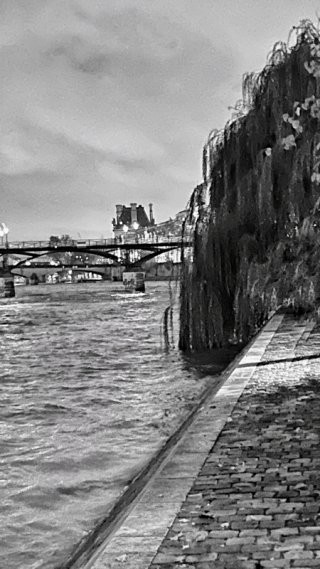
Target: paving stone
[
  {"x": 284, "y": 531},
  {"x": 306, "y": 563},
  {"x": 313, "y": 530},
  {"x": 223, "y": 533},
  {"x": 240, "y": 540},
  {"x": 271, "y": 554},
  {"x": 274, "y": 563},
  {"x": 253, "y": 532}
]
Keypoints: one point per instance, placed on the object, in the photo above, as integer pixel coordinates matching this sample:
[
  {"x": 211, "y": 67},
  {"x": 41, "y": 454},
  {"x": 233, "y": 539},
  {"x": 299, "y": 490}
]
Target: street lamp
[{"x": 5, "y": 231}]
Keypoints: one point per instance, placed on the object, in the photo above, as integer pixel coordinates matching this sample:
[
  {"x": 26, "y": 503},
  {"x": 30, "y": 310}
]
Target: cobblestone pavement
[{"x": 254, "y": 500}]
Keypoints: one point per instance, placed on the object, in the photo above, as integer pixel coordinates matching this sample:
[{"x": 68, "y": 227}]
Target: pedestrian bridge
[{"x": 129, "y": 255}]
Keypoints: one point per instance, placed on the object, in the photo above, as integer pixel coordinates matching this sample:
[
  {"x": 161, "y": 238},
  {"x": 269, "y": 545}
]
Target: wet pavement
[{"x": 241, "y": 488}]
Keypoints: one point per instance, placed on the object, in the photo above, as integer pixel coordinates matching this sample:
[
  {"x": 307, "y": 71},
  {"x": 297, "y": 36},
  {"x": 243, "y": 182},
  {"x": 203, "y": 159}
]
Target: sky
[{"x": 109, "y": 102}]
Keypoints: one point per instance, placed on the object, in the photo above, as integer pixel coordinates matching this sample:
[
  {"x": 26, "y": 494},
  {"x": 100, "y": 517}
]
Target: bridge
[
  {"x": 128, "y": 255},
  {"x": 117, "y": 253}
]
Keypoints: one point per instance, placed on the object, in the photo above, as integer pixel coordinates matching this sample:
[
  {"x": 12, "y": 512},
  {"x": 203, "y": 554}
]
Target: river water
[{"x": 87, "y": 396}]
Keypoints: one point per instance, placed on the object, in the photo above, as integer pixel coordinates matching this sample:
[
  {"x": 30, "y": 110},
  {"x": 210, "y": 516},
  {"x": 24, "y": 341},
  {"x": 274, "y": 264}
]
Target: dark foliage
[{"x": 257, "y": 208}]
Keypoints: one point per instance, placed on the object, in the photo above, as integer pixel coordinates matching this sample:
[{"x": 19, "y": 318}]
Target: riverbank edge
[{"x": 88, "y": 548}]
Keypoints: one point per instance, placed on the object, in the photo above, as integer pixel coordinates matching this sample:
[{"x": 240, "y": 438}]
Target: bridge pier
[
  {"x": 7, "y": 290},
  {"x": 134, "y": 280},
  {"x": 8, "y": 279}
]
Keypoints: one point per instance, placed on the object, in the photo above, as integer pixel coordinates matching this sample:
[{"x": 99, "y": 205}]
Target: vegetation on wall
[{"x": 255, "y": 218}]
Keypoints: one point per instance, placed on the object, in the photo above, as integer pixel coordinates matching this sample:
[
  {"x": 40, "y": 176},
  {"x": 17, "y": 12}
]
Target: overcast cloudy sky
[{"x": 110, "y": 101}]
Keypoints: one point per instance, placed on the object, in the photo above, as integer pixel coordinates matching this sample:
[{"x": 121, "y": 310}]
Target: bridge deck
[{"x": 90, "y": 245}]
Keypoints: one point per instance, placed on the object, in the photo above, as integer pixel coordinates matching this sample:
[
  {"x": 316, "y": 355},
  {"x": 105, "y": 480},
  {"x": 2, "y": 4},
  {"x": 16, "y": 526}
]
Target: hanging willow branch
[{"x": 262, "y": 177}]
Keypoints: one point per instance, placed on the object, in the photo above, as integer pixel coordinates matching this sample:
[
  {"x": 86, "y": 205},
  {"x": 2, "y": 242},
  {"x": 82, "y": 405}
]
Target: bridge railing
[
  {"x": 79, "y": 243},
  {"x": 52, "y": 245}
]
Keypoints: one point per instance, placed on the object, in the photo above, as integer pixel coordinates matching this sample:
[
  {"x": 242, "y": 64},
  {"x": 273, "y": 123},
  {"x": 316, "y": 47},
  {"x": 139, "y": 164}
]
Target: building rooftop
[{"x": 131, "y": 216}]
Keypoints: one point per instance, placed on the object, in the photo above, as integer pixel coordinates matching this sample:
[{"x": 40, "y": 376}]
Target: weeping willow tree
[{"x": 253, "y": 221}]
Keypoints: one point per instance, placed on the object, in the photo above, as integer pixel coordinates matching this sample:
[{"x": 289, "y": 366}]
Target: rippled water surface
[{"x": 88, "y": 395}]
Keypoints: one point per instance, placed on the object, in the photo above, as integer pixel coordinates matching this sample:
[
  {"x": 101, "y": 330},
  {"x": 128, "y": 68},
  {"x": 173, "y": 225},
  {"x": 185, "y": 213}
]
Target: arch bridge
[{"x": 130, "y": 255}]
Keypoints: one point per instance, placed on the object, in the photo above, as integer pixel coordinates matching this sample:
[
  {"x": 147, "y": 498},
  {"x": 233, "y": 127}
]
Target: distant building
[
  {"x": 131, "y": 218},
  {"x": 132, "y": 225}
]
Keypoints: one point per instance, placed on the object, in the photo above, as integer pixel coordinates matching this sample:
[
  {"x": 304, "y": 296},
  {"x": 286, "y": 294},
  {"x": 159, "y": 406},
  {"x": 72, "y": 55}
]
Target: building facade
[
  {"x": 132, "y": 225},
  {"x": 131, "y": 219}
]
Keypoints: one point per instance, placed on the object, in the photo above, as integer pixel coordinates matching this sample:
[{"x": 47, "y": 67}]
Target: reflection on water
[{"x": 87, "y": 397}]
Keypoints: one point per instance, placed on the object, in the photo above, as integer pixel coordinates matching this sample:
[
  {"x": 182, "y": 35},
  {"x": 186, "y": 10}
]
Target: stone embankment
[{"x": 241, "y": 489}]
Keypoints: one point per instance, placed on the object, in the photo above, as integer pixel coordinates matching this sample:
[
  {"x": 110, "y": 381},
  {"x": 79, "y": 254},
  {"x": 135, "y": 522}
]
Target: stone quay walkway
[{"x": 241, "y": 488}]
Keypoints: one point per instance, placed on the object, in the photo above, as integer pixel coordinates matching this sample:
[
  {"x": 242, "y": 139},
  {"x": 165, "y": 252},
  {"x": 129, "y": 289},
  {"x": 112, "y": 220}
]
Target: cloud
[
  {"x": 110, "y": 102},
  {"x": 102, "y": 100}
]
